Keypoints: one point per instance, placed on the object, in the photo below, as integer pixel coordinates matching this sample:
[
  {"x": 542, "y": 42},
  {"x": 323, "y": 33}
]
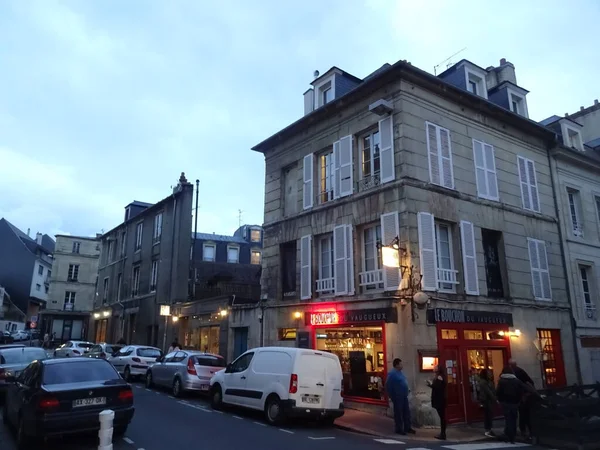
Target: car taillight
[
  {"x": 191, "y": 369},
  {"x": 103, "y": 355},
  {"x": 77, "y": 352},
  {"x": 138, "y": 360},
  {"x": 48, "y": 403},
  {"x": 293, "y": 383},
  {"x": 126, "y": 395}
]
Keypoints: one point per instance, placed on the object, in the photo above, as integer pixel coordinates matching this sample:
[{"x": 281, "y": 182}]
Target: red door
[
  {"x": 553, "y": 365},
  {"x": 450, "y": 362}
]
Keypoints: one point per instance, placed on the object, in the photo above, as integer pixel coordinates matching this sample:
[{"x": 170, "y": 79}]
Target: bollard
[{"x": 106, "y": 429}]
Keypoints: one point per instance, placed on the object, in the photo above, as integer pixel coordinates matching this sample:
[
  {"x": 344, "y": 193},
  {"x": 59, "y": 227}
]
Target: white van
[{"x": 283, "y": 382}]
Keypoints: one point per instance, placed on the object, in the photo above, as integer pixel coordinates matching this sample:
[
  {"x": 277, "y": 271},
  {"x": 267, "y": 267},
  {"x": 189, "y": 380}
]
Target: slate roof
[
  {"x": 219, "y": 238},
  {"x": 142, "y": 204},
  {"x": 48, "y": 243}
]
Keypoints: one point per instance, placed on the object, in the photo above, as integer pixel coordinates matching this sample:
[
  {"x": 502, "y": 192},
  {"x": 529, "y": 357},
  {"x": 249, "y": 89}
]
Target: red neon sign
[{"x": 324, "y": 318}]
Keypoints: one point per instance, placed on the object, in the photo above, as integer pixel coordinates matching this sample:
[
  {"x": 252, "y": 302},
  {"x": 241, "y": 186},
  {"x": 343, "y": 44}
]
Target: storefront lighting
[
  {"x": 223, "y": 312},
  {"x": 368, "y": 345},
  {"x": 297, "y": 315},
  {"x": 349, "y": 344},
  {"x": 96, "y": 315},
  {"x": 175, "y": 319},
  {"x": 106, "y": 313},
  {"x": 324, "y": 318},
  {"x": 510, "y": 333}
]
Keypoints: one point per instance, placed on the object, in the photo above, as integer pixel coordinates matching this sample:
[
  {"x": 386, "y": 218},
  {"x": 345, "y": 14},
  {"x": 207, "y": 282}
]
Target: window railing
[
  {"x": 68, "y": 306},
  {"x": 447, "y": 276},
  {"x": 370, "y": 278},
  {"x": 325, "y": 196},
  {"x": 325, "y": 285},
  {"x": 369, "y": 182}
]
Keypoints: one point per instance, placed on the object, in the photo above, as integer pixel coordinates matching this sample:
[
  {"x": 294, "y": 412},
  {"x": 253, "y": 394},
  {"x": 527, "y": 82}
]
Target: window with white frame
[
  {"x": 528, "y": 182},
  {"x": 326, "y": 177},
  {"x": 73, "y": 274},
  {"x": 476, "y": 82},
  {"x": 586, "y": 277},
  {"x": 69, "y": 304},
  {"x": 372, "y": 265},
  {"x": 233, "y": 254},
  {"x": 370, "y": 157},
  {"x": 135, "y": 281},
  {"x": 574, "y": 211},
  {"x": 255, "y": 235},
  {"x": 485, "y": 170},
  {"x": 439, "y": 151},
  {"x": 158, "y": 220},
  {"x": 76, "y": 246},
  {"x": 574, "y": 139},
  {"x": 255, "y": 257},
  {"x": 123, "y": 243},
  {"x": 325, "y": 281},
  {"x": 154, "y": 276},
  {"x": 109, "y": 253},
  {"x": 119, "y": 286},
  {"x": 138, "y": 235},
  {"x": 517, "y": 104},
  {"x": 540, "y": 273},
  {"x": 326, "y": 94},
  {"x": 105, "y": 290},
  {"x": 447, "y": 275},
  {"x": 208, "y": 252}
]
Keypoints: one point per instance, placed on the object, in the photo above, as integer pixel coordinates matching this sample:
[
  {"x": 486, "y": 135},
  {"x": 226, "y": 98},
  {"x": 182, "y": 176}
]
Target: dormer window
[
  {"x": 325, "y": 94},
  {"x": 571, "y": 133},
  {"x": 517, "y": 104},
  {"x": 475, "y": 81}
]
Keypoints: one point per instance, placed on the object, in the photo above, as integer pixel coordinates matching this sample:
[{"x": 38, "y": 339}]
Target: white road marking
[
  {"x": 129, "y": 441},
  {"x": 418, "y": 448},
  {"x": 261, "y": 424},
  {"x": 321, "y": 438},
  {"x": 149, "y": 390},
  {"x": 237, "y": 417},
  {"x": 286, "y": 431},
  {"x": 485, "y": 446},
  {"x": 170, "y": 396},
  {"x": 218, "y": 412},
  {"x": 388, "y": 441}
]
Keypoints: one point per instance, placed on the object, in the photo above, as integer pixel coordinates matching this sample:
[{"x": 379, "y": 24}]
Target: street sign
[{"x": 34, "y": 319}]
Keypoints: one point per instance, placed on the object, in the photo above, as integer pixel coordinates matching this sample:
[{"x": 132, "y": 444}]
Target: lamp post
[{"x": 165, "y": 310}]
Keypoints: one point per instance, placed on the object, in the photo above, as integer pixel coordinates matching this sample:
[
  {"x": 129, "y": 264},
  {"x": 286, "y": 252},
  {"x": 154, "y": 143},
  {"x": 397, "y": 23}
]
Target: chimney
[
  {"x": 309, "y": 101},
  {"x": 38, "y": 238},
  {"x": 98, "y": 235},
  {"x": 506, "y": 72},
  {"x": 596, "y": 102},
  {"x": 581, "y": 108},
  {"x": 29, "y": 229}
]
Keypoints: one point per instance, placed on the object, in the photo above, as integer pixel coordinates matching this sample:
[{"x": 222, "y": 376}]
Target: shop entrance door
[
  {"x": 450, "y": 361},
  {"x": 477, "y": 359}
]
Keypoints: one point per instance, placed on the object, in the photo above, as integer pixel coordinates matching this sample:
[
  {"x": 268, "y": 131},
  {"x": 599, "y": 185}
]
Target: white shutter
[
  {"x": 432, "y": 151},
  {"x": 490, "y": 166},
  {"x": 467, "y": 237},
  {"x": 525, "y": 195},
  {"x": 480, "y": 172},
  {"x": 345, "y": 168},
  {"x": 386, "y": 153},
  {"x": 307, "y": 191},
  {"x": 427, "y": 251},
  {"x": 340, "y": 271},
  {"x": 535, "y": 201},
  {"x": 350, "y": 258},
  {"x": 446, "y": 159},
  {"x": 390, "y": 229},
  {"x": 544, "y": 270},
  {"x": 305, "y": 267},
  {"x": 534, "y": 263},
  {"x": 336, "y": 170}
]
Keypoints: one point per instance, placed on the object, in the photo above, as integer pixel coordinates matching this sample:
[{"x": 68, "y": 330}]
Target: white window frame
[
  {"x": 379, "y": 287},
  {"x": 123, "y": 243},
  {"x": 529, "y": 184},
  {"x": 440, "y": 158},
  {"x": 566, "y": 129},
  {"x": 119, "y": 286},
  {"x": 255, "y": 252},
  {"x": 478, "y": 78},
  {"x": 233, "y": 247},
  {"x": 541, "y": 271},
  {"x": 154, "y": 275},
  {"x": 589, "y": 309},
  {"x": 361, "y": 147},
  {"x": 214, "y": 248},
  {"x": 327, "y": 84},
  {"x": 76, "y": 247},
  {"x": 487, "y": 172},
  {"x": 574, "y": 207},
  {"x": 139, "y": 230},
  {"x": 105, "y": 287},
  {"x": 73, "y": 275},
  {"x": 325, "y": 288},
  {"x": 329, "y": 194},
  {"x": 135, "y": 281},
  {"x": 70, "y": 298},
  {"x": 438, "y": 224},
  {"x": 520, "y": 100},
  {"x": 157, "y": 229}
]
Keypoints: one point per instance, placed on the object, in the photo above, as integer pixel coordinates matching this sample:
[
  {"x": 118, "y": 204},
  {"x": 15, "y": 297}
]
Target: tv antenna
[
  {"x": 447, "y": 59},
  {"x": 240, "y": 217}
]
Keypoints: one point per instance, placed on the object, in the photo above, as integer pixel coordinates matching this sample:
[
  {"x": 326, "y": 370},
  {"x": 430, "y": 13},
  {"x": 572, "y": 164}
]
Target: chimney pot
[
  {"x": 503, "y": 61},
  {"x": 29, "y": 229},
  {"x": 596, "y": 102},
  {"x": 581, "y": 108},
  {"x": 566, "y": 114}
]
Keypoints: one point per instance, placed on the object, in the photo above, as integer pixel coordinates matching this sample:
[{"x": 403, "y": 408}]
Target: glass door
[
  {"x": 450, "y": 362},
  {"x": 479, "y": 359}
]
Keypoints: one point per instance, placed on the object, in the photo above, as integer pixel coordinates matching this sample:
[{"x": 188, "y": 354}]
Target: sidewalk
[{"x": 383, "y": 426}]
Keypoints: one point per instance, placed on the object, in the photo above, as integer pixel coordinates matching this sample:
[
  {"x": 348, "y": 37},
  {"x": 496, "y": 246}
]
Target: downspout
[{"x": 552, "y": 165}]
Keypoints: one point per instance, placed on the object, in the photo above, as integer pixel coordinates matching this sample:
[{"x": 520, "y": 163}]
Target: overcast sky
[{"x": 104, "y": 102}]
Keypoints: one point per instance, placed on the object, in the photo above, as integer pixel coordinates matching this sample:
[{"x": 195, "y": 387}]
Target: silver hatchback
[{"x": 185, "y": 370}]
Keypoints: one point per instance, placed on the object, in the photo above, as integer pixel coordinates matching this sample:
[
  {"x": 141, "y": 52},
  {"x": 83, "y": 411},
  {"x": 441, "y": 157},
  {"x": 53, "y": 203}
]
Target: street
[{"x": 163, "y": 422}]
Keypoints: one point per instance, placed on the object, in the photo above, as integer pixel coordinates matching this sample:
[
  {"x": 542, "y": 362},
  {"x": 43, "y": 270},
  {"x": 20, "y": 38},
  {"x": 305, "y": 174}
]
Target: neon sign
[{"x": 324, "y": 318}]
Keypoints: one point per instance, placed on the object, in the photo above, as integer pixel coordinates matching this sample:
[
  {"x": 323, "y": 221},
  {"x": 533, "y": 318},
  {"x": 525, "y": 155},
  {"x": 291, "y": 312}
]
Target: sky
[{"x": 106, "y": 102}]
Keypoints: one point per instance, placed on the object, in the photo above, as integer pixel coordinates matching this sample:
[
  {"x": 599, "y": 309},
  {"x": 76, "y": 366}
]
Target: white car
[
  {"x": 73, "y": 348},
  {"x": 20, "y": 335},
  {"x": 283, "y": 382},
  {"x": 132, "y": 361}
]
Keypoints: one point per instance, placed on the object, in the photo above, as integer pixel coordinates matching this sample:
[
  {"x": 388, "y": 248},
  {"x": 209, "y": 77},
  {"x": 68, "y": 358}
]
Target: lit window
[
  {"x": 287, "y": 334},
  {"x": 255, "y": 235},
  {"x": 326, "y": 177},
  {"x": 449, "y": 334},
  {"x": 471, "y": 335},
  {"x": 255, "y": 257}
]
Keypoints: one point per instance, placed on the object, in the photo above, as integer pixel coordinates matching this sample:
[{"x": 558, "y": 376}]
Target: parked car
[
  {"x": 12, "y": 346},
  {"x": 104, "y": 350},
  {"x": 185, "y": 370},
  {"x": 6, "y": 338},
  {"x": 283, "y": 382},
  {"x": 20, "y": 335},
  {"x": 132, "y": 361},
  {"x": 64, "y": 396},
  {"x": 73, "y": 348},
  {"x": 14, "y": 359}
]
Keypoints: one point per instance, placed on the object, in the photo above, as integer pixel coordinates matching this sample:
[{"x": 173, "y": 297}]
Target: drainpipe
[
  {"x": 170, "y": 300},
  {"x": 564, "y": 264}
]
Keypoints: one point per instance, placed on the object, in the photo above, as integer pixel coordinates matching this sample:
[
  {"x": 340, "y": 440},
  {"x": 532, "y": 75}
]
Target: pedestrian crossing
[{"x": 469, "y": 446}]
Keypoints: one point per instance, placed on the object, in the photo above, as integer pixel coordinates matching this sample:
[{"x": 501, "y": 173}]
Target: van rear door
[{"x": 319, "y": 380}]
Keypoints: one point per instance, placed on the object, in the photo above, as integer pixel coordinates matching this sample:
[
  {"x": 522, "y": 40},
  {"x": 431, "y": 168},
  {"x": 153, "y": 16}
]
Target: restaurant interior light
[
  {"x": 223, "y": 312},
  {"x": 106, "y": 313},
  {"x": 96, "y": 315}
]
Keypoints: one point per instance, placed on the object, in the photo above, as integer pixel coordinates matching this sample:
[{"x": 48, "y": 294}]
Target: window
[
  {"x": 255, "y": 257},
  {"x": 76, "y": 246},
  {"x": 439, "y": 148},
  {"x": 540, "y": 274},
  {"x": 574, "y": 139},
  {"x": 208, "y": 252},
  {"x": 326, "y": 94},
  {"x": 49, "y": 275},
  {"x": 135, "y": 281},
  {"x": 73, "y": 274},
  {"x": 492, "y": 246},
  {"x": 553, "y": 367},
  {"x": 123, "y": 243},
  {"x": 574, "y": 208},
  {"x": 371, "y": 161},
  {"x": 158, "y": 220},
  {"x": 255, "y": 235},
  {"x": 472, "y": 86},
  {"x": 449, "y": 334},
  {"x": 40, "y": 270},
  {"x": 242, "y": 363},
  {"x": 109, "y": 253},
  {"x": 38, "y": 287},
  {"x": 597, "y": 198},
  {"x": 473, "y": 335},
  {"x": 105, "y": 291},
  {"x": 288, "y": 253},
  {"x": 517, "y": 104},
  {"x": 528, "y": 181},
  {"x": 372, "y": 276},
  {"x": 119, "y": 286},
  {"x": 79, "y": 372},
  {"x": 445, "y": 258},
  {"x": 427, "y": 361},
  {"x": 485, "y": 170},
  {"x": 233, "y": 254},
  {"x": 585, "y": 274},
  {"x": 325, "y": 283},
  {"x": 286, "y": 334},
  {"x": 69, "y": 301},
  {"x": 138, "y": 235},
  {"x": 154, "y": 276},
  {"x": 571, "y": 133},
  {"x": 326, "y": 177}
]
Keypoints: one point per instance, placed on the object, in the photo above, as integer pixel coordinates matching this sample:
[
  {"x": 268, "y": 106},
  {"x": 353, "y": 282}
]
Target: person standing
[
  {"x": 487, "y": 398},
  {"x": 525, "y": 405},
  {"x": 510, "y": 393},
  {"x": 174, "y": 346},
  {"x": 438, "y": 399},
  {"x": 397, "y": 390}
]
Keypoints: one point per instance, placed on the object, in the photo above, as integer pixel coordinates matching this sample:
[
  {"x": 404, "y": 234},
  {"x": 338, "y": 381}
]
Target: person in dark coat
[
  {"x": 397, "y": 389},
  {"x": 510, "y": 392},
  {"x": 526, "y": 402},
  {"x": 486, "y": 395},
  {"x": 438, "y": 399}
]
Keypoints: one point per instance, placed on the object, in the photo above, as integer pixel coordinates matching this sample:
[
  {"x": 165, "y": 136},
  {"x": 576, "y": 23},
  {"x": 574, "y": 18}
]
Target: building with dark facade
[{"x": 144, "y": 263}]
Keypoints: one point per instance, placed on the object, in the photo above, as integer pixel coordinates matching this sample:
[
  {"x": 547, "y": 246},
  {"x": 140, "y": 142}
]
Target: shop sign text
[{"x": 446, "y": 315}]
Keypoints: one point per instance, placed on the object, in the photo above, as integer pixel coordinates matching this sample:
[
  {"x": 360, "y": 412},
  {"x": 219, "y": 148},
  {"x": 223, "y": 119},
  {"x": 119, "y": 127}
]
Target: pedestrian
[
  {"x": 397, "y": 390},
  {"x": 438, "y": 399},
  {"x": 122, "y": 341},
  {"x": 487, "y": 399},
  {"x": 526, "y": 402},
  {"x": 509, "y": 393},
  {"x": 174, "y": 346},
  {"x": 46, "y": 340}
]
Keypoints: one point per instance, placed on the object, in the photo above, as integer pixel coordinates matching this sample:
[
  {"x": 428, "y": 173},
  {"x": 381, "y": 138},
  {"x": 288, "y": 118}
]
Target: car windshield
[
  {"x": 79, "y": 372},
  {"x": 113, "y": 348},
  {"x": 84, "y": 345},
  {"x": 21, "y": 355},
  {"x": 210, "y": 361},
  {"x": 148, "y": 352}
]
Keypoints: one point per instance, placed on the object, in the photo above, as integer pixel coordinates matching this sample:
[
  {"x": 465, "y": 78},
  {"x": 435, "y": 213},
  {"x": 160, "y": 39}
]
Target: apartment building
[
  {"x": 145, "y": 264},
  {"x": 576, "y": 169},
  {"x": 72, "y": 289},
  {"x": 410, "y": 215}
]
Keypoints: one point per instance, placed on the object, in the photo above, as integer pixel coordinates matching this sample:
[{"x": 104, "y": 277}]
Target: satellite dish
[{"x": 316, "y": 74}]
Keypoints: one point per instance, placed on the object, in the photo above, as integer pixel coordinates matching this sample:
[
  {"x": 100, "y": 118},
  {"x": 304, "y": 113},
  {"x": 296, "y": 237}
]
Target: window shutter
[
  {"x": 305, "y": 267},
  {"x": 345, "y": 168},
  {"x": 534, "y": 263},
  {"x": 467, "y": 237},
  {"x": 427, "y": 251},
  {"x": 336, "y": 169},
  {"x": 386, "y": 153},
  {"x": 307, "y": 192},
  {"x": 350, "y": 258},
  {"x": 490, "y": 165},
  {"x": 446, "y": 154},
  {"x": 390, "y": 229},
  {"x": 523, "y": 181},
  {"x": 544, "y": 270},
  {"x": 340, "y": 275},
  {"x": 434, "y": 158},
  {"x": 535, "y": 201},
  {"x": 480, "y": 172}
]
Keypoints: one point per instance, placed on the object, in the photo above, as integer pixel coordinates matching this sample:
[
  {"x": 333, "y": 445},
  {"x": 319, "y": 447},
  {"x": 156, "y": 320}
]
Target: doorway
[
  {"x": 240, "y": 341},
  {"x": 478, "y": 359}
]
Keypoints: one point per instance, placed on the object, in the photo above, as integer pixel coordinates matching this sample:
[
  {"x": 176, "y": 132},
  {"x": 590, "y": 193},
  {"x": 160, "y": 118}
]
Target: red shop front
[
  {"x": 357, "y": 337},
  {"x": 468, "y": 342}
]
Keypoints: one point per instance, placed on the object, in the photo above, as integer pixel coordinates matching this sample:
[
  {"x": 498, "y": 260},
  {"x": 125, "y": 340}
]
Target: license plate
[
  {"x": 204, "y": 387},
  {"x": 311, "y": 400},
  {"x": 89, "y": 402}
]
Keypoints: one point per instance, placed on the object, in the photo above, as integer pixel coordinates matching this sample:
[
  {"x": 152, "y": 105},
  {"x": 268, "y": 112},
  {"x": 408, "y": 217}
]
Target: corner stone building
[{"x": 449, "y": 171}]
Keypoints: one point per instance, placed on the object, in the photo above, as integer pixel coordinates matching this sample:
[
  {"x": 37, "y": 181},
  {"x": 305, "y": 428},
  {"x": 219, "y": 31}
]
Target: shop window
[
  {"x": 428, "y": 360},
  {"x": 362, "y": 357},
  {"x": 553, "y": 369},
  {"x": 495, "y": 335},
  {"x": 449, "y": 334},
  {"x": 473, "y": 335},
  {"x": 287, "y": 334}
]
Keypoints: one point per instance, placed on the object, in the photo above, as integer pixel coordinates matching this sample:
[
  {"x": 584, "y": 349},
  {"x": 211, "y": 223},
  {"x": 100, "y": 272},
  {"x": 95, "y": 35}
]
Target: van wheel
[
  {"x": 273, "y": 410},
  {"x": 216, "y": 398}
]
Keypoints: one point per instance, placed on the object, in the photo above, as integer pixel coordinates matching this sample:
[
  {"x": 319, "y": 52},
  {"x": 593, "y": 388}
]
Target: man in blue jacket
[{"x": 397, "y": 390}]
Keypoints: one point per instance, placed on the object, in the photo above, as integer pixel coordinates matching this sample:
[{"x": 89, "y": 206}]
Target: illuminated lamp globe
[{"x": 420, "y": 298}]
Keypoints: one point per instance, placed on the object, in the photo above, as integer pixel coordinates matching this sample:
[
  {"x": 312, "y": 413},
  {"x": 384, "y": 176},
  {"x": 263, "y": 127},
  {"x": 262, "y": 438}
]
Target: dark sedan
[{"x": 65, "y": 396}]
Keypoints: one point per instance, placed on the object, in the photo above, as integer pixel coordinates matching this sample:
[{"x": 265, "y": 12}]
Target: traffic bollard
[{"x": 106, "y": 429}]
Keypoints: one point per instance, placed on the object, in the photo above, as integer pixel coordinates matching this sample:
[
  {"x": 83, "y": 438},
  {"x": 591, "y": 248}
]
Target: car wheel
[
  {"x": 273, "y": 410},
  {"x": 177, "y": 391},
  {"x": 149, "y": 382},
  {"x": 216, "y": 397},
  {"x": 127, "y": 374}
]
